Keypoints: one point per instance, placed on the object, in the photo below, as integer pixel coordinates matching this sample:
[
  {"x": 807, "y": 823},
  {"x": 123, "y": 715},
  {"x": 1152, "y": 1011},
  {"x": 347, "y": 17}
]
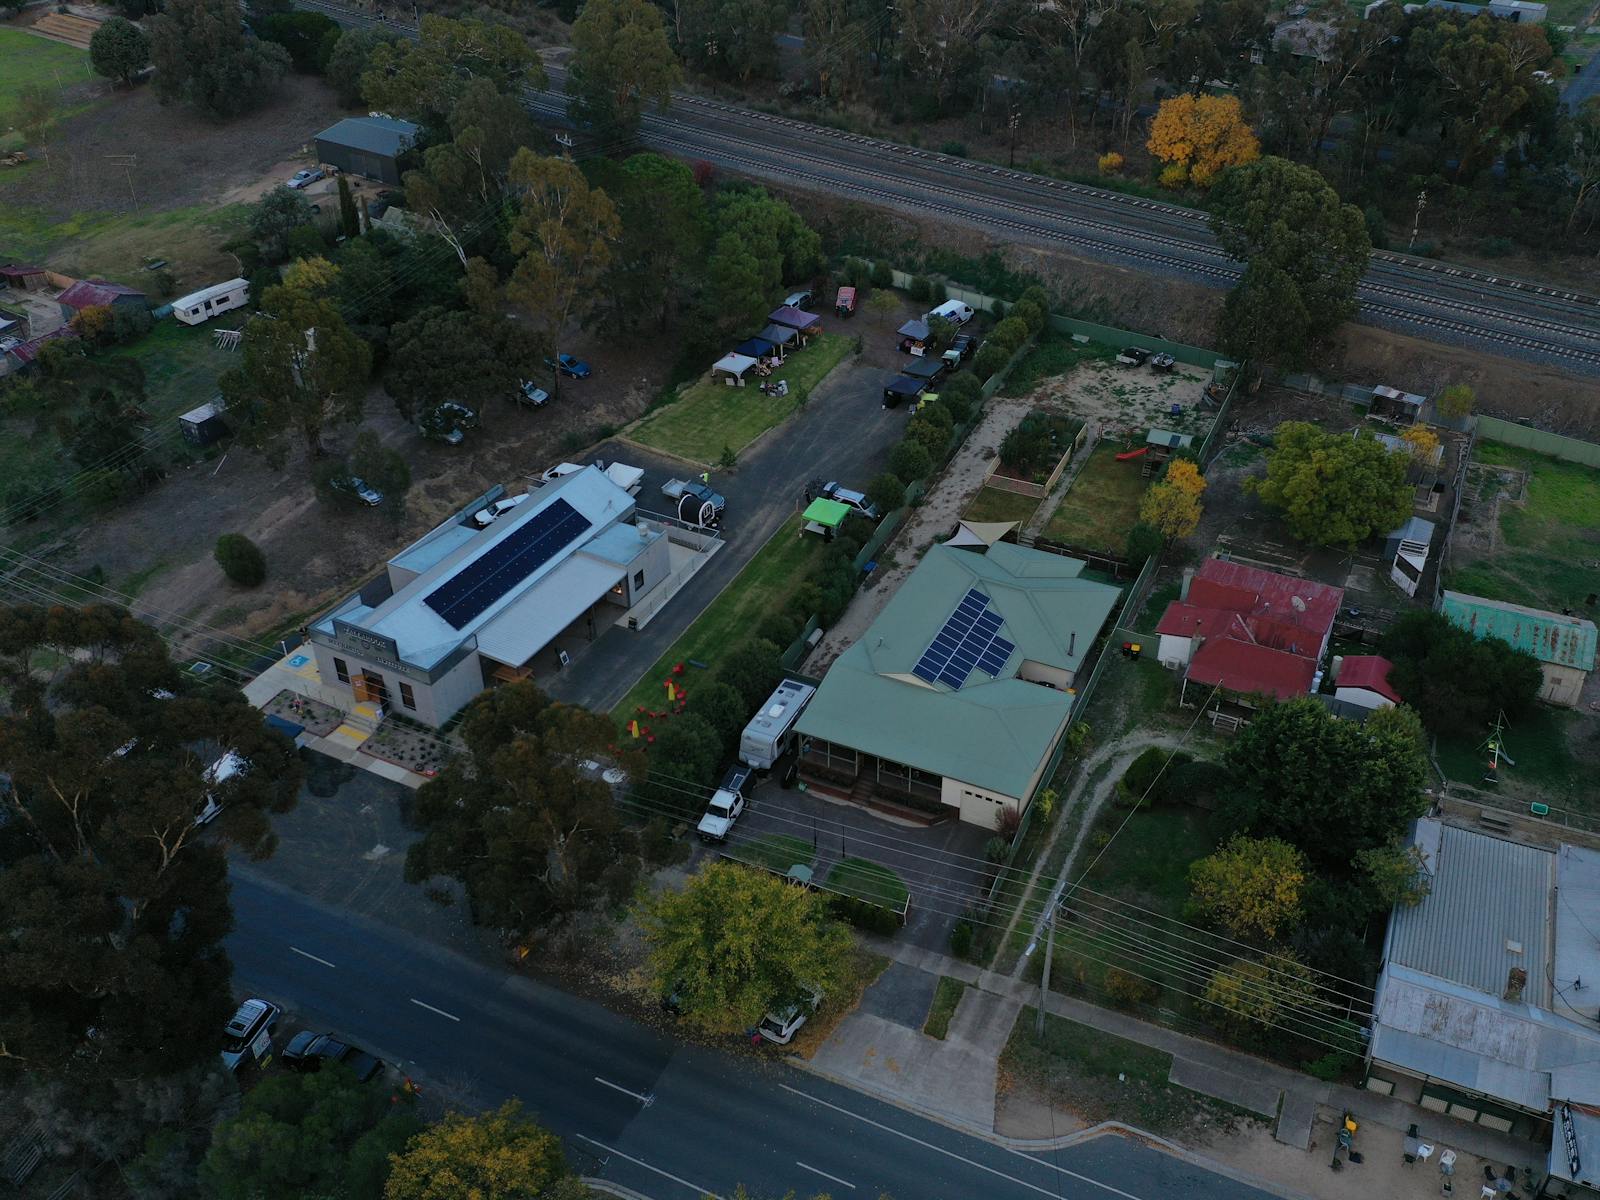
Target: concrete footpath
[{"x": 881, "y": 1049}]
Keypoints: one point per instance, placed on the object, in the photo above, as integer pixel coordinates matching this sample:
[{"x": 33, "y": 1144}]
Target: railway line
[{"x": 1503, "y": 315}]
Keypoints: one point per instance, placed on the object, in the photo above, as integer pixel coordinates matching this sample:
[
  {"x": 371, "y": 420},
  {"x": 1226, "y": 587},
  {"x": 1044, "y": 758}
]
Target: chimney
[
  {"x": 1183, "y": 588},
  {"x": 1072, "y": 644}
]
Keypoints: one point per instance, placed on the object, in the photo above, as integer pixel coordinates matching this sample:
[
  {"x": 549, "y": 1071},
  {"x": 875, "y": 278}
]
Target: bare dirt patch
[{"x": 1119, "y": 401}]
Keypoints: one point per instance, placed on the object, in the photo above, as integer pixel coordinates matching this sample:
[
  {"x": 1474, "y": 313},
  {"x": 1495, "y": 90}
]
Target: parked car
[
  {"x": 780, "y": 1025},
  {"x": 727, "y": 804},
  {"x": 571, "y": 367},
  {"x": 1133, "y": 356},
  {"x": 218, "y": 773},
  {"x": 966, "y": 345},
  {"x": 486, "y": 517},
  {"x": 530, "y": 393},
  {"x": 697, "y": 503},
  {"x": 305, "y": 177},
  {"x": 247, "y": 1037},
  {"x": 953, "y": 311},
  {"x": 834, "y": 490},
  {"x": 354, "y": 485},
  {"x": 800, "y": 300},
  {"x": 844, "y": 305},
  {"x": 445, "y": 423},
  {"x": 307, "y": 1051}
]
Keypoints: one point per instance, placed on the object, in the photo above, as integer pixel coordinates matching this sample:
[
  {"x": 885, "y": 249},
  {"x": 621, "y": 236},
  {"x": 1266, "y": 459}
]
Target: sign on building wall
[{"x": 375, "y": 646}]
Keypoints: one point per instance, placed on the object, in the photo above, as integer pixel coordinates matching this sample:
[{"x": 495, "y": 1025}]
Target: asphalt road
[
  {"x": 669, "y": 1121},
  {"x": 1504, "y": 315},
  {"x": 842, "y": 433}
]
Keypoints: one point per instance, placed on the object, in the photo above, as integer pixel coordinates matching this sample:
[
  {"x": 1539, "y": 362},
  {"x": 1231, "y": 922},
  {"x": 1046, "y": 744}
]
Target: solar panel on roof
[
  {"x": 481, "y": 582},
  {"x": 969, "y": 640}
]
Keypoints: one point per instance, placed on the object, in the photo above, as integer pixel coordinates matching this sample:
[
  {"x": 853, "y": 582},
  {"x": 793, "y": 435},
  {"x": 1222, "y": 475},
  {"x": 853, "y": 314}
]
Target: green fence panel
[{"x": 1539, "y": 440}]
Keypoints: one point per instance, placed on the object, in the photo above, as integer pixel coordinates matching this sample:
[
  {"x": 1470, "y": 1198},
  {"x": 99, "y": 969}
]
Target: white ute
[{"x": 726, "y": 805}]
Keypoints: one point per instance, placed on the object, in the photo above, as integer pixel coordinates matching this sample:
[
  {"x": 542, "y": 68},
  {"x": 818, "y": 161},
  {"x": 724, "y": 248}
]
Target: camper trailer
[
  {"x": 199, "y": 307},
  {"x": 770, "y": 735}
]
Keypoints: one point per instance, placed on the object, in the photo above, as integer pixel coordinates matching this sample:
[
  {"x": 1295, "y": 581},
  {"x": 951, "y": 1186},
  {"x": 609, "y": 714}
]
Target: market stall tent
[
  {"x": 824, "y": 516},
  {"x": 733, "y": 368}
]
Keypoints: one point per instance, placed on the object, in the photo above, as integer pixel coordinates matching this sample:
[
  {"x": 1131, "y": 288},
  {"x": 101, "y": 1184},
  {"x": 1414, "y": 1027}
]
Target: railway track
[{"x": 1458, "y": 305}]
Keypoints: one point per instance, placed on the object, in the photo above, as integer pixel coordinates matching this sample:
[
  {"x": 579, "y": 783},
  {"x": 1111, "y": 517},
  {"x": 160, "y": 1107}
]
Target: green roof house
[
  {"x": 956, "y": 697},
  {"x": 1564, "y": 646}
]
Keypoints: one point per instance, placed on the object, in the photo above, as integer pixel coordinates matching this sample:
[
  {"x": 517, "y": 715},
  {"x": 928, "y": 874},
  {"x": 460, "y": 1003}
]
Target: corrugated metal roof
[
  {"x": 376, "y": 135},
  {"x": 1578, "y": 930},
  {"x": 1484, "y": 893},
  {"x": 1549, "y": 637}
]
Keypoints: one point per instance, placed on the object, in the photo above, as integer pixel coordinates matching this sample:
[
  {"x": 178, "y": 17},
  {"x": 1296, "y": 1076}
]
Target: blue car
[{"x": 572, "y": 368}]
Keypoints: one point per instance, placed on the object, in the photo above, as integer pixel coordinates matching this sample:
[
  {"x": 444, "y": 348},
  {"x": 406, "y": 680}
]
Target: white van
[
  {"x": 218, "y": 773},
  {"x": 953, "y": 311}
]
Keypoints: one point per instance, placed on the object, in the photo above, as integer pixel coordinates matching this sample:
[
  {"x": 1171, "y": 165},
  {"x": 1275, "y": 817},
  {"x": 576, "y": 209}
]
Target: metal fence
[
  {"x": 1540, "y": 441},
  {"x": 1460, "y": 487},
  {"x": 1220, "y": 423}
]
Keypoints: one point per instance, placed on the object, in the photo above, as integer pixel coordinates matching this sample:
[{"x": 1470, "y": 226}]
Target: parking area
[{"x": 942, "y": 866}]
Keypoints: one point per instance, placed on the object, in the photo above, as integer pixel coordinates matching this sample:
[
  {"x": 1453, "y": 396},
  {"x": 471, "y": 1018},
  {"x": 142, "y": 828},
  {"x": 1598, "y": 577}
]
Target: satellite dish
[{"x": 1299, "y": 604}]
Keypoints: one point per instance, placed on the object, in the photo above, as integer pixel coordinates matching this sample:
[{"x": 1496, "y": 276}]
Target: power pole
[
  {"x": 1416, "y": 224},
  {"x": 1011, "y": 123},
  {"x": 1044, "y": 980}
]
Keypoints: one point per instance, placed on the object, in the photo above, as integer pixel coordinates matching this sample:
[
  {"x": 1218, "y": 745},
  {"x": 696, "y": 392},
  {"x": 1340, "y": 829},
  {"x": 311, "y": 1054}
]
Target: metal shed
[
  {"x": 204, "y": 425},
  {"x": 369, "y": 146}
]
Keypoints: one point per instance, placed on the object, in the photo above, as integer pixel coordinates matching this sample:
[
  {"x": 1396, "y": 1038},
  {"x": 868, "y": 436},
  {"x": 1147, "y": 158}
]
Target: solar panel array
[
  {"x": 508, "y": 563},
  {"x": 970, "y": 640}
]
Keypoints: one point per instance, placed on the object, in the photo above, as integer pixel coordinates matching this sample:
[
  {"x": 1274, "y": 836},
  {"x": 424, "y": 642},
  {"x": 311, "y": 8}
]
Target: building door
[{"x": 369, "y": 686}]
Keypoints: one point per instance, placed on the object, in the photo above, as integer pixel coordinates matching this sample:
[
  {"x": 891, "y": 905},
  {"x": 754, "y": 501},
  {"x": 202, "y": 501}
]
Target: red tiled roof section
[
  {"x": 90, "y": 293},
  {"x": 1370, "y": 671},
  {"x": 1247, "y": 668}
]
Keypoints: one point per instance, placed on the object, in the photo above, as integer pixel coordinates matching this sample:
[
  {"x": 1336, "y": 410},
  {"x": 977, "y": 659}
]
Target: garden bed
[{"x": 1029, "y": 477}]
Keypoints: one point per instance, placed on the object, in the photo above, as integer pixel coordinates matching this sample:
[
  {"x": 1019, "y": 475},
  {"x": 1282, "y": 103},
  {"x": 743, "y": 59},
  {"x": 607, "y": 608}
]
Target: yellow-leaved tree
[
  {"x": 1173, "y": 505},
  {"x": 498, "y": 1156},
  {"x": 1423, "y": 442},
  {"x": 1199, "y": 137},
  {"x": 1251, "y": 887}
]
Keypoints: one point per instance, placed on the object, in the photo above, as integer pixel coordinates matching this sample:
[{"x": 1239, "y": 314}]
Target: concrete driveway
[
  {"x": 842, "y": 433},
  {"x": 940, "y": 866}
]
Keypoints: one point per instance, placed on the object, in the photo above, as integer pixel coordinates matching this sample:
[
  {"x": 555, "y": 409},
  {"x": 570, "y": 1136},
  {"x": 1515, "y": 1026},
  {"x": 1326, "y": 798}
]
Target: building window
[
  {"x": 638, "y": 580},
  {"x": 407, "y": 698},
  {"x": 376, "y": 688},
  {"x": 342, "y": 670}
]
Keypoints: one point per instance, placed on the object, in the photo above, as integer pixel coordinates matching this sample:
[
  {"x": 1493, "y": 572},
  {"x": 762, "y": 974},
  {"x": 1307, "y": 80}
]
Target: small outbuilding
[
  {"x": 23, "y": 279},
  {"x": 1406, "y": 552},
  {"x": 204, "y": 425},
  {"x": 1564, "y": 645},
  {"x": 1363, "y": 679},
  {"x": 733, "y": 368},
  {"x": 369, "y": 146},
  {"x": 97, "y": 293}
]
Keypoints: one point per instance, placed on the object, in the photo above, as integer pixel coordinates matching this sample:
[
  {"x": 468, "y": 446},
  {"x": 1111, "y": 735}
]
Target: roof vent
[{"x": 1513, "y": 947}]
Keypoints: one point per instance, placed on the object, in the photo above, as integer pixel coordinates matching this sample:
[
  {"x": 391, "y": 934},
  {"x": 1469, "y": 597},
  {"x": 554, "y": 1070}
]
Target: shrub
[
  {"x": 997, "y": 849},
  {"x": 954, "y": 149},
  {"x": 1127, "y": 990},
  {"x": 1332, "y": 1066},
  {"x": 1174, "y": 176},
  {"x": 989, "y": 359},
  {"x": 863, "y": 914},
  {"x": 882, "y": 274},
  {"x": 960, "y": 394},
  {"x": 1144, "y": 540},
  {"x": 919, "y": 288},
  {"x": 910, "y": 460},
  {"x": 305, "y": 241},
  {"x": 1009, "y": 823},
  {"x": 1109, "y": 164},
  {"x": 887, "y": 492},
  {"x": 1145, "y": 778},
  {"x": 778, "y": 628},
  {"x": 241, "y": 559},
  {"x": 937, "y": 292},
  {"x": 961, "y": 934},
  {"x": 1009, "y": 334},
  {"x": 1030, "y": 314}
]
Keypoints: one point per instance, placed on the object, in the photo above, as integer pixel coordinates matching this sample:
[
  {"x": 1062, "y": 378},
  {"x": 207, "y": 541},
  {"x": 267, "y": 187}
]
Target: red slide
[{"x": 1133, "y": 453}]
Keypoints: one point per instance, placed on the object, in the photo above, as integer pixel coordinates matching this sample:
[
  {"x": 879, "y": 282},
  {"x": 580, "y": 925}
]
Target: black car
[
  {"x": 307, "y": 1051},
  {"x": 966, "y": 345}
]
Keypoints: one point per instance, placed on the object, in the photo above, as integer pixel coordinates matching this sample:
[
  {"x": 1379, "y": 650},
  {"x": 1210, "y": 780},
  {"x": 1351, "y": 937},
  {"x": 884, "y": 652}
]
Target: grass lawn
[
  {"x": 1053, "y": 354},
  {"x": 774, "y": 851},
  {"x": 945, "y": 998},
  {"x": 116, "y": 245},
  {"x": 1105, "y": 1078},
  {"x": 1547, "y": 541},
  {"x": 868, "y": 881},
  {"x": 708, "y": 416},
  {"x": 762, "y": 587},
  {"x": 26, "y": 59},
  {"x": 181, "y": 367},
  {"x": 1149, "y": 861},
  {"x": 992, "y": 504},
  {"x": 1102, "y": 504},
  {"x": 1546, "y": 767}
]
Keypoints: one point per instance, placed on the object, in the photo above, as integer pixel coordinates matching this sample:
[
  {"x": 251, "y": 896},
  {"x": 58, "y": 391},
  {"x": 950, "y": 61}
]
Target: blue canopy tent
[{"x": 756, "y": 348}]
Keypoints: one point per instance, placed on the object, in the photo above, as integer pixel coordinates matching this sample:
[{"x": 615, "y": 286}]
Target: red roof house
[
  {"x": 95, "y": 293},
  {"x": 1364, "y": 680},
  {"x": 24, "y": 279},
  {"x": 1249, "y": 631}
]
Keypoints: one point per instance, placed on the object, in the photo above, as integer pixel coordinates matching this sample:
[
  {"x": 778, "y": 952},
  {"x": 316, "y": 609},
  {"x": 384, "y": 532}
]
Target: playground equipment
[{"x": 1130, "y": 454}]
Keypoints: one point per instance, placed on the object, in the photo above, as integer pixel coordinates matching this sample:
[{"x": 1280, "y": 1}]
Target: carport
[
  {"x": 927, "y": 369},
  {"x": 733, "y": 368}
]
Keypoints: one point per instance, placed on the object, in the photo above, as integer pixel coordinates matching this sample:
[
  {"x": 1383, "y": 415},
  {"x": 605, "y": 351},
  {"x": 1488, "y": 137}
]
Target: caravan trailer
[
  {"x": 770, "y": 735},
  {"x": 199, "y": 307}
]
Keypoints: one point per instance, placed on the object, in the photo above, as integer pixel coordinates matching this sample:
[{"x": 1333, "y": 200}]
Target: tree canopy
[
  {"x": 1199, "y": 137},
  {"x": 621, "y": 61},
  {"x": 532, "y": 836},
  {"x": 1172, "y": 506},
  {"x": 1329, "y": 787},
  {"x": 1304, "y": 251},
  {"x": 1333, "y": 489},
  {"x": 204, "y": 57},
  {"x": 1251, "y": 887},
  {"x": 498, "y": 1156},
  {"x": 119, "y": 50},
  {"x": 111, "y": 956},
  {"x": 734, "y": 943},
  {"x": 302, "y": 370},
  {"x": 425, "y": 79},
  {"x": 1457, "y": 681},
  {"x": 306, "y": 1137}
]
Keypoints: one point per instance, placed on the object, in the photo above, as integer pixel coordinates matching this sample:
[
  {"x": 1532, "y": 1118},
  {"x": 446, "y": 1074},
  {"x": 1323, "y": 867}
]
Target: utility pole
[
  {"x": 1416, "y": 224},
  {"x": 1011, "y": 123},
  {"x": 1044, "y": 979}
]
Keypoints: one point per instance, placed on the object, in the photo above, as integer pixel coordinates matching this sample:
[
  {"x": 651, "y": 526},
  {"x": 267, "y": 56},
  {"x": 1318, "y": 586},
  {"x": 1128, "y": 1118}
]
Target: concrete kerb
[
  {"x": 656, "y": 450},
  {"x": 1030, "y": 1148},
  {"x": 610, "y": 1189}
]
